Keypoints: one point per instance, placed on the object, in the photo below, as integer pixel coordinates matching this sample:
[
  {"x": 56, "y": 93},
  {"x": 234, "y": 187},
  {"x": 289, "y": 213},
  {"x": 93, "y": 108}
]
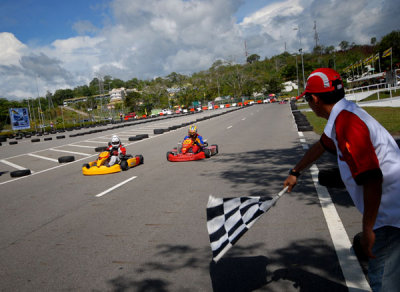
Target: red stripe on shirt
[{"x": 355, "y": 143}]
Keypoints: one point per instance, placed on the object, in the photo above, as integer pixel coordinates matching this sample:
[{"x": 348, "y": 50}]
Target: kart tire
[
  {"x": 19, "y": 173},
  {"x": 86, "y": 165},
  {"x": 13, "y": 142},
  {"x": 35, "y": 140},
  {"x": 141, "y": 159},
  {"x": 207, "y": 153},
  {"x": 124, "y": 165},
  {"x": 168, "y": 153},
  {"x": 100, "y": 149},
  {"x": 64, "y": 159},
  {"x": 216, "y": 148}
]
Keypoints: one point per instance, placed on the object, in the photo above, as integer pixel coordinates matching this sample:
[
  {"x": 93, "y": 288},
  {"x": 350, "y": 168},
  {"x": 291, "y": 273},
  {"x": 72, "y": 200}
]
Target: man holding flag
[{"x": 369, "y": 163}]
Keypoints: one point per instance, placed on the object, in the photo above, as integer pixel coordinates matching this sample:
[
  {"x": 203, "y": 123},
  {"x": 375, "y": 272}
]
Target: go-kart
[
  {"x": 99, "y": 166},
  {"x": 184, "y": 151}
]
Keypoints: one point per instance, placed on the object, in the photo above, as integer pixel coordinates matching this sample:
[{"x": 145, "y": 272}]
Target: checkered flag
[{"x": 229, "y": 218}]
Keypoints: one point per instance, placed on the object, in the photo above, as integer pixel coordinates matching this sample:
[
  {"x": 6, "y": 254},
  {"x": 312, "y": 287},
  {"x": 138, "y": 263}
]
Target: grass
[{"x": 388, "y": 117}]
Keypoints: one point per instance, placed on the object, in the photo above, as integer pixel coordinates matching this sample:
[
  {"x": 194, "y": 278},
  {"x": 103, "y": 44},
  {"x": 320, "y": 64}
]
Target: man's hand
[
  {"x": 291, "y": 181},
  {"x": 367, "y": 242}
]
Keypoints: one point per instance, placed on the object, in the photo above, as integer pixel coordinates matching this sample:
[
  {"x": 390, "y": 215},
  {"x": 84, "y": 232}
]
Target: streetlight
[
  {"x": 297, "y": 74},
  {"x": 302, "y": 67},
  {"x": 301, "y": 53}
]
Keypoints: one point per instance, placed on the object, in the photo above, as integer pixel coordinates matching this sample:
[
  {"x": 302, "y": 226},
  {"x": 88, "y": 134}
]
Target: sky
[{"x": 47, "y": 45}]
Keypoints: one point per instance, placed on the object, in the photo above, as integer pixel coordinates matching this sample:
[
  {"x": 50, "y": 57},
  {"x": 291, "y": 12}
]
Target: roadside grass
[{"x": 388, "y": 117}]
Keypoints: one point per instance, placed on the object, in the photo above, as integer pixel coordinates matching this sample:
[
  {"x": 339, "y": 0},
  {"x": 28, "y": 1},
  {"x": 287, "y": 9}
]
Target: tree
[
  {"x": 132, "y": 100},
  {"x": 253, "y": 58},
  {"x": 344, "y": 45}
]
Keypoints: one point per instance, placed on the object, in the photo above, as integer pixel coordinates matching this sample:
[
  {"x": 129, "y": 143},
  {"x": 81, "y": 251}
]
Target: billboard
[{"x": 19, "y": 118}]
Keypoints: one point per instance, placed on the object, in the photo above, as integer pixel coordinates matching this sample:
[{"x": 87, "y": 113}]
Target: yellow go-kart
[{"x": 99, "y": 166}]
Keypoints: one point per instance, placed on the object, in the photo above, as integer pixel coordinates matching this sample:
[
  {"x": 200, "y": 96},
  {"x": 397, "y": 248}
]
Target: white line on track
[
  {"x": 12, "y": 164},
  {"x": 116, "y": 186},
  {"x": 351, "y": 269},
  {"x": 71, "y": 152},
  {"x": 82, "y": 146},
  {"x": 229, "y": 127},
  {"x": 97, "y": 142},
  {"x": 243, "y": 119},
  {"x": 43, "y": 157}
]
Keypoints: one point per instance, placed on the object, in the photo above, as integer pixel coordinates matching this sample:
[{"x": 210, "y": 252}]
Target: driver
[
  {"x": 116, "y": 150},
  {"x": 198, "y": 142}
]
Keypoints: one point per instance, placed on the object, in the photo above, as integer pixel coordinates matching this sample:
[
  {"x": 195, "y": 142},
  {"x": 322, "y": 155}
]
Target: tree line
[{"x": 223, "y": 78}]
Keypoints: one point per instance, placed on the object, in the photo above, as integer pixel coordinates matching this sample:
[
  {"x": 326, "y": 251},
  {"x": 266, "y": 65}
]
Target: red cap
[{"x": 322, "y": 80}]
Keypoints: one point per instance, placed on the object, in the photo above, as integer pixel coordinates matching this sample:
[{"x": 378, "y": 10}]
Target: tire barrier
[
  {"x": 3, "y": 139},
  {"x": 48, "y": 139},
  {"x": 158, "y": 131},
  {"x": 13, "y": 142},
  {"x": 144, "y": 136},
  {"x": 19, "y": 173},
  {"x": 305, "y": 128},
  {"x": 64, "y": 159},
  {"x": 134, "y": 138},
  {"x": 35, "y": 140},
  {"x": 330, "y": 178},
  {"x": 60, "y": 137}
]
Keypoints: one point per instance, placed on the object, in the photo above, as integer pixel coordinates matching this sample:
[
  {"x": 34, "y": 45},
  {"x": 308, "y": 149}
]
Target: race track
[{"x": 63, "y": 231}]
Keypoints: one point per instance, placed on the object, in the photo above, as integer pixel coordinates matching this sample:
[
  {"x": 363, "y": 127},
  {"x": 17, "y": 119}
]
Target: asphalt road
[{"x": 149, "y": 234}]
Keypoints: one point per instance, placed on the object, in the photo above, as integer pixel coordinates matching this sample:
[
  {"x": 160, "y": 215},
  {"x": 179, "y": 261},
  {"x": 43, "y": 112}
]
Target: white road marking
[
  {"x": 116, "y": 186},
  {"x": 12, "y": 164},
  {"x": 229, "y": 127},
  {"x": 353, "y": 275},
  {"x": 82, "y": 146},
  {"x": 72, "y": 152},
  {"x": 97, "y": 142},
  {"x": 43, "y": 157},
  {"x": 243, "y": 119}
]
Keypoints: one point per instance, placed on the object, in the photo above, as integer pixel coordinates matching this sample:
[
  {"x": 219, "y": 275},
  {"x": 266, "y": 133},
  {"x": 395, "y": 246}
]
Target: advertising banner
[{"x": 19, "y": 118}]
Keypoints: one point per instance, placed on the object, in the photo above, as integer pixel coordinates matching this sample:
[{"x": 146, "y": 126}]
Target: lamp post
[
  {"x": 301, "y": 53},
  {"x": 302, "y": 67},
  {"x": 297, "y": 74}
]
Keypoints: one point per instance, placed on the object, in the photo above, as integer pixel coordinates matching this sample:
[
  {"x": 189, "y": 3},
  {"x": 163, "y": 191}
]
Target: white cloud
[{"x": 154, "y": 38}]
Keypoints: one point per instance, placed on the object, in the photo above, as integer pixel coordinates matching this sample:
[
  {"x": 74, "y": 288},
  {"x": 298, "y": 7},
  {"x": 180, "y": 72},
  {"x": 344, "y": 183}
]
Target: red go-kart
[{"x": 189, "y": 151}]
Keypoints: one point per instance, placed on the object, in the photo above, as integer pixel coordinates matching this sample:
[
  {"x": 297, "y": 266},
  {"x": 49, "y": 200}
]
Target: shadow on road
[{"x": 308, "y": 265}]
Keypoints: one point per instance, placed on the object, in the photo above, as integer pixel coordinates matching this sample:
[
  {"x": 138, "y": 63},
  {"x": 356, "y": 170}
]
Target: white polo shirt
[{"x": 365, "y": 149}]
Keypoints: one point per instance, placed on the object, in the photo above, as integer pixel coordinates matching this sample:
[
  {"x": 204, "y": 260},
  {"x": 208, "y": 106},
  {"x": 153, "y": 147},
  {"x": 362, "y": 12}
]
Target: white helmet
[{"x": 115, "y": 141}]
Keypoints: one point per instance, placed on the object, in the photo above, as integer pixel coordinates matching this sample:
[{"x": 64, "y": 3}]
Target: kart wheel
[
  {"x": 168, "y": 153},
  {"x": 207, "y": 153},
  {"x": 100, "y": 149},
  {"x": 216, "y": 148},
  {"x": 141, "y": 159},
  {"x": 64, "y": 159},
  {"x": 19, "y": 173},
  {"x": 86, "y": 165},
  {"x": 124, "y": 165}
]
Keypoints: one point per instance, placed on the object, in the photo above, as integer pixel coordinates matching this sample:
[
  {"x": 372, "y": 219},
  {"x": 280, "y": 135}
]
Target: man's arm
[
  {"x": 372, "y": 200},
  {"x": 311, "y": 155}
]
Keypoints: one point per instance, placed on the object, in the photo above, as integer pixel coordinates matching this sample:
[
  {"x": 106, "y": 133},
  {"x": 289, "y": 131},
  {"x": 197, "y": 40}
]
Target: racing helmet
[
  {"x": 192, "y": 131},
  {"x": 115, "y": 141}
]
